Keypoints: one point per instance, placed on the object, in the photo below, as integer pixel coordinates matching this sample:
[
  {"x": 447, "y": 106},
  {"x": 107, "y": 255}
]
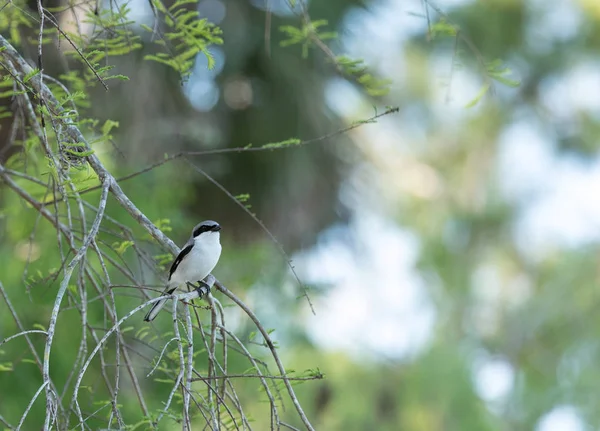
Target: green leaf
[
  {"x": 30, "y": 75},
  {"x": 108, "y": 126},
  {"x": 79, "y": 153},
  {"x": 503, "y": 80},
  {"x": 243, "y": 197},
  {"x": 6, "y": 366},
  {"x": 287, "y": 142},
  {"x": 443, "y": 28},
  {"x": 479, "y": 96},
  {"x": 121, "y": 248}
]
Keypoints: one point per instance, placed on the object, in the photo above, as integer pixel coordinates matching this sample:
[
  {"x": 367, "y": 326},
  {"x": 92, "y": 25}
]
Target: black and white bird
[{"x": 195, "y": 261}]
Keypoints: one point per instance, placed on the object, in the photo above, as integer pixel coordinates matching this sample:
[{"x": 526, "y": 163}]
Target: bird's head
[{"x": 206, "y": 229}]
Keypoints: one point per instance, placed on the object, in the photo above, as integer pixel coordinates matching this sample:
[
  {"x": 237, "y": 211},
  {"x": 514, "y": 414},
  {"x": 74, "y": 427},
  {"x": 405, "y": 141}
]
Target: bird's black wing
[{"x": 183, "y": 253}]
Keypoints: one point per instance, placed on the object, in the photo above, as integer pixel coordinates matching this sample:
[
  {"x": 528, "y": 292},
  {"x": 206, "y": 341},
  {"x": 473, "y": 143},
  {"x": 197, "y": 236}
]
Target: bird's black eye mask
[{"x": 206, "y": 228}]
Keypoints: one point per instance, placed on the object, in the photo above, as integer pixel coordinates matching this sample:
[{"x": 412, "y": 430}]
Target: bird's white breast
[{"x": 200, "y": 261}]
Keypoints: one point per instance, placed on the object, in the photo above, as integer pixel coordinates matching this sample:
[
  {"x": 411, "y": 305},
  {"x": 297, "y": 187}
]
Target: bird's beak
[{"x": 217, "y": 228}]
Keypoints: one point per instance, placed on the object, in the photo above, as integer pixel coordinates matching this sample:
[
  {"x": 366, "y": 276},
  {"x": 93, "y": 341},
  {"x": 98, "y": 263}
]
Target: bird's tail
[{"x": 156, "y": 308}]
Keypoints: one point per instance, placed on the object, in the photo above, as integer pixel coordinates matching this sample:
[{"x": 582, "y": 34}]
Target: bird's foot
[{"x": 202, "y": 289}]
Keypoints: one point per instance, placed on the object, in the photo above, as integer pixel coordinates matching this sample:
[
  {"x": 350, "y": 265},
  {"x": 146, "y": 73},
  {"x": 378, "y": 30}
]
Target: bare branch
[
  {"x": 31, "y": 331},
  {"x": 26, "y": 412},
  {"x": 247, "y": 149},
  {"x": 161, "y": 355},
  {"x": 271, "y": 346},
  {"x": 50, "y": 396},
  {"x": 261, "y": 376}
]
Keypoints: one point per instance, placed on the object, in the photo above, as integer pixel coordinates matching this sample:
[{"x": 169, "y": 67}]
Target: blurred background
[{"x": 452, "y": 252}]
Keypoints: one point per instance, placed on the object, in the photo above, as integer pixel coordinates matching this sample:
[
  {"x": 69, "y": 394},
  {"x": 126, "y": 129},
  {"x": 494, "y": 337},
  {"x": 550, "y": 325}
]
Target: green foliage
[
  {"x": 6, "y": 367},
  {"x": 492, "y": 71},
  {"x": 243, "y": 197},
  {"x": 163, "y": 259},
  {"x": 482, "y": 92},
  {"x": 281, "y": 144},
  {"x": 91, "y": 51},
  {"x": 77, "y": 95},
  {"x": 13, "y": 18},
  {"x": 121, "y": 247},
  {"x": 498, "y": 72},
  {"x": 142, "y": 424},
  {"x": 310, "y": 34},
  {"x": 163, "y": 224},
  {"x": 357, "y": 69},
  {"x": 187, "y": 36},
  {"x": 27, "y": 77},
  {"x": 70, "y": 99},
  {"x": 307, "y": 35},
  {"x": 495, "y": 70},
  {"x": 74, "y": 149},
  {"x": 442, "y": 28}
]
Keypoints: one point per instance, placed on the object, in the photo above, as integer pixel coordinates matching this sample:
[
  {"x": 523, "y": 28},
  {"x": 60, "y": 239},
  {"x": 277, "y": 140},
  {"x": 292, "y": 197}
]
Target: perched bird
[{"x": 195, "y": 261}]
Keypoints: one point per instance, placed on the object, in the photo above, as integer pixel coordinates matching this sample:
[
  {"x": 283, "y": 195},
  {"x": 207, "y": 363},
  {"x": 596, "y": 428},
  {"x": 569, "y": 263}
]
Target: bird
[{"x": 195, "y": 261}]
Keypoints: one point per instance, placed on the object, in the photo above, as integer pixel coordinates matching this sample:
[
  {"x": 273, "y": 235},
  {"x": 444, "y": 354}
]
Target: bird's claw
[{"x": 202, "y": 288}]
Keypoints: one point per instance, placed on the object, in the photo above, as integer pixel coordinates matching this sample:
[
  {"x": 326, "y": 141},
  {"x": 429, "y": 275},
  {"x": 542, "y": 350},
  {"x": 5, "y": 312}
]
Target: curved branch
[
  {"x": 265, "y": 335},
  {"x": 59, "y": 296}
]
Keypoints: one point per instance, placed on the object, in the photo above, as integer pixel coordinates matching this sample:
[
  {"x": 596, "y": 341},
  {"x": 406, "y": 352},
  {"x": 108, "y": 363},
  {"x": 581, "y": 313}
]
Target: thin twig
[
  {"x": 212, "y": 369},
  {"x": 260, "y": 376},
  {"x": 26, "y": 412},
  {"x": 213, "y": 302},
  {"x": 100, "y": 344},
  {"x": 76, "y": 48},
  {"x": 188, "y": 366},
  {"x": 50, "y": 396},
  {"x": 271, "y": 346},
  {"x": 274, "y": 413},
  {"x": 15, "y": 316},
  {"x": 248, "y": 149},
  {"x": 31, "y": 331},
  {"x": 161, "y": 355}
]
